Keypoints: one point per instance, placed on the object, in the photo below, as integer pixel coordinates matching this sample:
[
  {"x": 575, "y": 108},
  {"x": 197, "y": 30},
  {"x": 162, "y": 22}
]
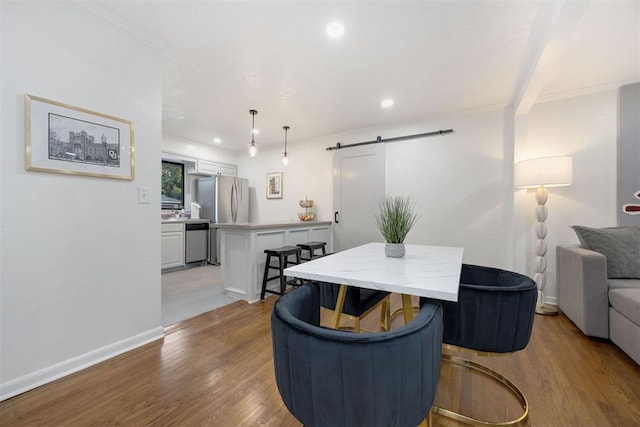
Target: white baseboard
[
  {"x": 43, "y": 376},
  {"x": 240, "y": 293}
]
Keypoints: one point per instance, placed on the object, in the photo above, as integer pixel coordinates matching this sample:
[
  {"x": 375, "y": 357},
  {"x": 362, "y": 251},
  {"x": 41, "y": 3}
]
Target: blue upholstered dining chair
[
  {"x": 493, "y": 315},
  {"x": 332, "y": 378}
]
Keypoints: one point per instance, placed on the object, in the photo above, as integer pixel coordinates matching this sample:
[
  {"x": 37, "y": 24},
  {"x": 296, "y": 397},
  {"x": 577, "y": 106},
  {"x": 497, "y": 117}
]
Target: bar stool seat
[
  {"x": 311, "y": 247},
  {"x": 282, "y": 255}
]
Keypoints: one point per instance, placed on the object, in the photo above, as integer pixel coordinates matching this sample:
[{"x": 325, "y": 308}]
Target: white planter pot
[{"x": 394, "y": 250}]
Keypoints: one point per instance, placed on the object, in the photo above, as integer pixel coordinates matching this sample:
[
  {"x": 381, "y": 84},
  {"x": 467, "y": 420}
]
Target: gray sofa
[{"x": 600, "y": 306}]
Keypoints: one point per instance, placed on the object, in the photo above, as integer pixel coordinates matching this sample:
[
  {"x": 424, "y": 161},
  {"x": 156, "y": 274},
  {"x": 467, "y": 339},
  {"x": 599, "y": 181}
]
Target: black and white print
[{"x": 74, "y": 140}]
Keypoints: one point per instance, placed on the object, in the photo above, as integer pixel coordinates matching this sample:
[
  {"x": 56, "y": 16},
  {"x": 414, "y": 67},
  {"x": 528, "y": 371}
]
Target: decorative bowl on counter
[
  {"x": 306, "y": 203},
  {"x": 306, "y": 216}
]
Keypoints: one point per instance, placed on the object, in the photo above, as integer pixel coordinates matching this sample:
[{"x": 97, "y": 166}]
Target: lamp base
[{"x": 547, "y": 310}]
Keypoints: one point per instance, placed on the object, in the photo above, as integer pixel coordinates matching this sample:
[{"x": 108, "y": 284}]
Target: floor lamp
[{"x": 542, "y": 173}]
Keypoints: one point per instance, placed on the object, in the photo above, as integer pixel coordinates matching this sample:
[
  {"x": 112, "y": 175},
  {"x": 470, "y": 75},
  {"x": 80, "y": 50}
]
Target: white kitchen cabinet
[
  {"x": 206, "y": 167},
  {"x": 172, "y": 246}
]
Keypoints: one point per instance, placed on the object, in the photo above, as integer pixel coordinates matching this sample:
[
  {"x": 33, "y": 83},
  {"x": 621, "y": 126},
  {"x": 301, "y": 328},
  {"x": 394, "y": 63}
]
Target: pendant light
[
  {"x": 285, "y": 159},
  {"x": 252, "y": 145}
]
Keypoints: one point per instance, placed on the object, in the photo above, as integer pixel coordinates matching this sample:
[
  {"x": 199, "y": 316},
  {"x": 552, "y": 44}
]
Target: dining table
[{"x": 424, "y": 271}]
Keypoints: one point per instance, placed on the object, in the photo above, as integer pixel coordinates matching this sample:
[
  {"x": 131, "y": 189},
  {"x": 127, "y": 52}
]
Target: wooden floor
[{"x": 216, "y": 370}]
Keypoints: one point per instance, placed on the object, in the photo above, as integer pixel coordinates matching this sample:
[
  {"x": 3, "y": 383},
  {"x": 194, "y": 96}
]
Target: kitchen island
[{"x": 242, "y": 248}]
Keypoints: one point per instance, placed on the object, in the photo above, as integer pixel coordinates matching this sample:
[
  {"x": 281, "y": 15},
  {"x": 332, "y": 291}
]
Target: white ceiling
[{"x": 431, "y": 57}]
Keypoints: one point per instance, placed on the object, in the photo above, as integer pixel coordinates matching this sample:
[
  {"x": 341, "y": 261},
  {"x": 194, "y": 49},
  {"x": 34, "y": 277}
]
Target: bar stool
[
  {"x": 282, "y": 255},
  {"x": 311, "y": 247}
]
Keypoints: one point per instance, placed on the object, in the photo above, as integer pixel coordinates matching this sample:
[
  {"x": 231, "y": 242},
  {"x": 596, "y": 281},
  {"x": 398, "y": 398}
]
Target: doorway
[{"x": 358, "y": 186}]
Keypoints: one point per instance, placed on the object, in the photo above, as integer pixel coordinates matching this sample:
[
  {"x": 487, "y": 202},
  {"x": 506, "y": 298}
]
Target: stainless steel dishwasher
[{"x": 196, "y": 242}]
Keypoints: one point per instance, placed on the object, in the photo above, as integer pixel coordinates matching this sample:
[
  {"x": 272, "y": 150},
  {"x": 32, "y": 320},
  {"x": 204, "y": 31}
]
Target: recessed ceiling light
[
  {"x": 387, "y": 103},
  {"x": 179, "y": 117},
  {"x": 335, "y": 30},
  {"x": 217, "y": 140}
]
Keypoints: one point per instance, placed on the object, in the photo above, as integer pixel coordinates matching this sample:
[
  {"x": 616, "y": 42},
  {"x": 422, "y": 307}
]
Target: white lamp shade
[{"x": 546, "y": 171}]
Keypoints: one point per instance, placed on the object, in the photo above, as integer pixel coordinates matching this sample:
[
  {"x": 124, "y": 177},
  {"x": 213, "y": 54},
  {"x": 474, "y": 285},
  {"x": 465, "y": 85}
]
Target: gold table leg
[
  {"x": 407, "y": 308},
  {"x": 342, "y": 294},
  {"x": 385, "y": 315}
]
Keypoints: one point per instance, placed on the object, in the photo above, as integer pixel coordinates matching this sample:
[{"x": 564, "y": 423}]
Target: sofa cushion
[
  {"x": 620, "y": 245},
  {"x": 626, "y": 302},
  {"x": 624, "y": 283}
]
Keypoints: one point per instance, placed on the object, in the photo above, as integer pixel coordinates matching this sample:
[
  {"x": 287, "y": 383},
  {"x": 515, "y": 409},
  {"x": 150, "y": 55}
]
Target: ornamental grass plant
[{"x": 396, "y": 218}]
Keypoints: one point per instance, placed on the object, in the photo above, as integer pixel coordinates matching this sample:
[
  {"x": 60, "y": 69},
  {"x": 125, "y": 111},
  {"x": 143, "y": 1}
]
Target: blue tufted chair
[
  {"x": 331, "y": 378},
  {"x": 494, "y": 314}
]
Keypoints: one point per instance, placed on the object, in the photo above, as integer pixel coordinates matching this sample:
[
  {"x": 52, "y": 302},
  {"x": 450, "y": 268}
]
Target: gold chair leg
[{"x": 495, "y": 376}]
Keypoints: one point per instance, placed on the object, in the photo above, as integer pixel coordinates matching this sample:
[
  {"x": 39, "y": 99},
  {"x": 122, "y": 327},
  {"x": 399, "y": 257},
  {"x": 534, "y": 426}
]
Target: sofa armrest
[{"x": 583, "y": 290}]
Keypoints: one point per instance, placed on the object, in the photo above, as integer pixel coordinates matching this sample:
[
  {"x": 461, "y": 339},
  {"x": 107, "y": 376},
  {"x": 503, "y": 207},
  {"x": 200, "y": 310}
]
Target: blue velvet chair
[
  {"x": 328, "y": 377},
  {"x": 493, "y": 315}
]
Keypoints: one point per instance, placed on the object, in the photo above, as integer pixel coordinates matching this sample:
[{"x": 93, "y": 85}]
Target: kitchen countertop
[
  {"x": 184, "y": 220},
  {"x": 283, "y": 224}
]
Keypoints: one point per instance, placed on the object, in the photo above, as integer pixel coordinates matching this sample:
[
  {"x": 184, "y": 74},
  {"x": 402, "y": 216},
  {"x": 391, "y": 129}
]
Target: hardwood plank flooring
[{"x": 216, "y": 370}]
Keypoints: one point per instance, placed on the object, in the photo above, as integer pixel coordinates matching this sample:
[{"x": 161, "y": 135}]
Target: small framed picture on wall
[{"x": 274, "y": 185}]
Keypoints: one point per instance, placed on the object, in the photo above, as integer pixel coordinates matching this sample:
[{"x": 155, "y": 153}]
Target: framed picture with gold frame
[
  {"x": 71, "y": 140},
  {"x": 274, "y": 185}
]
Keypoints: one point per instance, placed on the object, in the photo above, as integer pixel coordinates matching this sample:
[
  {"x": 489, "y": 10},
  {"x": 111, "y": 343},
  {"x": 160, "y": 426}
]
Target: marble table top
[{"x": 427, "y": 271}]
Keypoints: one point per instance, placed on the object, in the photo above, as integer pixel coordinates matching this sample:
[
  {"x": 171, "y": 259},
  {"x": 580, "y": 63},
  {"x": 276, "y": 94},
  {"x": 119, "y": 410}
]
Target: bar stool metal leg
[
  {"x": 265, "y": 276},
  {"x": 283, "y": 264}
]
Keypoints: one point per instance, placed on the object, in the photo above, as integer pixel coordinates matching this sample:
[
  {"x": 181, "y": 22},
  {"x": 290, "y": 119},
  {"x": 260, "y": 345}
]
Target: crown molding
[{"x": 582, "y": 91}]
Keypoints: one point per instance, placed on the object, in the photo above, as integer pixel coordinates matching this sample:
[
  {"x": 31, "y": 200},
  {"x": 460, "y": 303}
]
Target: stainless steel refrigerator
[{"x": 222, "y": 199}]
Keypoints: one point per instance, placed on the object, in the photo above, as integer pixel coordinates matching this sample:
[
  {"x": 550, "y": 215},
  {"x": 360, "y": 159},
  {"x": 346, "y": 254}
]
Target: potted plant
[{"x": 395, "y": 219}]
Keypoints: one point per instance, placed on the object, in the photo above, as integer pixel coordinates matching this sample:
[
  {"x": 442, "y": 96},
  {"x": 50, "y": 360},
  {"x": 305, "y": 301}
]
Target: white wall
[
  {"x": 80, "y": 265},
  {"x": 457, "y": 180},
  {"x": 584, "y": 127},
  {"x": 308, "y": 174}
]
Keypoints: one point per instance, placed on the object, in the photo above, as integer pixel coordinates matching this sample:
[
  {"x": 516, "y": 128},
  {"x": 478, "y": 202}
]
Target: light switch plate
[{"x": 143, "y": 196}]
